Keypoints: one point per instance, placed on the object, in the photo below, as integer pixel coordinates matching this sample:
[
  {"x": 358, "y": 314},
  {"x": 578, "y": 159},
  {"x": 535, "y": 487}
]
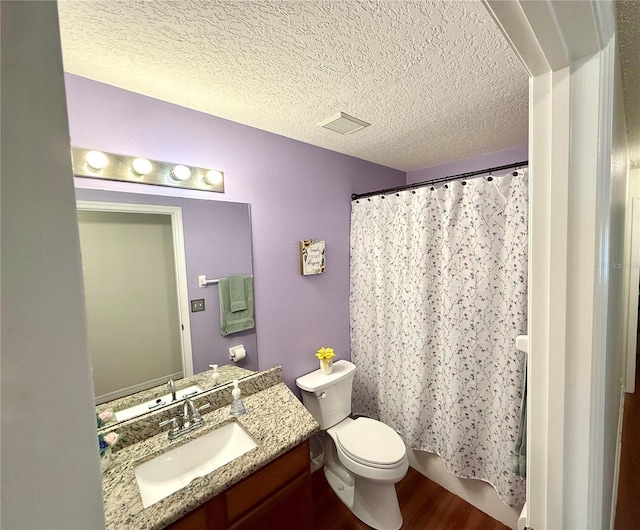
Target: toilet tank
[{"x": 328, "y": 396}]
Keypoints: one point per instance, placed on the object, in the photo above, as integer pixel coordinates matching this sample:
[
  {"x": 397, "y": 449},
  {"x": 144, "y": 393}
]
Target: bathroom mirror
[{"x": 216, "y": 243}]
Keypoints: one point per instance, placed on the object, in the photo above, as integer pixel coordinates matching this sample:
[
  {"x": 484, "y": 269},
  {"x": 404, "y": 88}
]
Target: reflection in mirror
[
  {"x": 159, "y": 397},
  {"x": 175, "y": 341},
  {"x": 135, "y": 288}
]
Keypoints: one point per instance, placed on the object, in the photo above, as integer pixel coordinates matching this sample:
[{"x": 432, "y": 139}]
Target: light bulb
[
  {"x": 141, "y": 166},
  {"x": 214, "y": 177},
  {"x": 180, "y": 173},
  {"x": 97, "y": 160}
]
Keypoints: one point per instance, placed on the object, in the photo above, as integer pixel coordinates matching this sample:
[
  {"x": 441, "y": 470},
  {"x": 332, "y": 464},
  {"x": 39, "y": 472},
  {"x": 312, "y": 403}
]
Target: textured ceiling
[
  {"x": 628, "y": 29},
  {"x": 436, "y": 79}
]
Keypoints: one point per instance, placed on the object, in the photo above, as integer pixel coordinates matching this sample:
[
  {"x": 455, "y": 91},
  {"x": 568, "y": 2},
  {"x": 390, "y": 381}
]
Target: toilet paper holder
[{"x": 237, "y": 353}]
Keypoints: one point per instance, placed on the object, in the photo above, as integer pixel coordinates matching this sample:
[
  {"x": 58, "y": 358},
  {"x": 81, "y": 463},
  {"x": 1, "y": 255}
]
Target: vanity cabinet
[{"x": 278, "y": 496}]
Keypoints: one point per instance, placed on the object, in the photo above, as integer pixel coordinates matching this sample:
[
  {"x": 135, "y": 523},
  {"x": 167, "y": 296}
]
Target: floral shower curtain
[{"x": 438, "y": 296}]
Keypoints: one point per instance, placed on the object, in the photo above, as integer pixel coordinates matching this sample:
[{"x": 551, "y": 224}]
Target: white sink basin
[
  {"x": 173, "y": 470},
  {"x": 143, "y": 408}
]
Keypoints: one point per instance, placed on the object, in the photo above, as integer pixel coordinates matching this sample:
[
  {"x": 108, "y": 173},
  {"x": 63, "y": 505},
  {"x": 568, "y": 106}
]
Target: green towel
[{"x": 240, "y": 320}]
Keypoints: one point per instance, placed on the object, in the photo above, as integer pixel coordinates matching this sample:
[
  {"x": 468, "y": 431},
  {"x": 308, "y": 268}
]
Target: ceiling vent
[{"x": 343, "y": 123}]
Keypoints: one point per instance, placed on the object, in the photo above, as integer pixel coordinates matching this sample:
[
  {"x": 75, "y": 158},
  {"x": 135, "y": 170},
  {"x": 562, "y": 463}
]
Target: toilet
[{"x": 363, "y": 458}]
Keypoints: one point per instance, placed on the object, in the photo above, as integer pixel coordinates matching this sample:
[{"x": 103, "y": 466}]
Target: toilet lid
[{"x": 371, "y": 442}]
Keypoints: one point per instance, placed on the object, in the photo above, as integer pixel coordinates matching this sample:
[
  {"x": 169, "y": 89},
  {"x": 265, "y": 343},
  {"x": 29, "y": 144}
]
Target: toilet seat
[{"x": 371, "y": 443}]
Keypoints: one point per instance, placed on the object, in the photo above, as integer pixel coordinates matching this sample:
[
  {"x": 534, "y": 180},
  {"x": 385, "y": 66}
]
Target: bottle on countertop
[{"x": 237, "y": 407}]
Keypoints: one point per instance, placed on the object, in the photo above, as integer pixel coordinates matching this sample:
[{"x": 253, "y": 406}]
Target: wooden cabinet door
[{"x": 289, "y": 509}]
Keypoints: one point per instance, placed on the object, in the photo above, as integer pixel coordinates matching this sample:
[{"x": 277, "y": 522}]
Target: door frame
[{"x": 568, "y": 51}]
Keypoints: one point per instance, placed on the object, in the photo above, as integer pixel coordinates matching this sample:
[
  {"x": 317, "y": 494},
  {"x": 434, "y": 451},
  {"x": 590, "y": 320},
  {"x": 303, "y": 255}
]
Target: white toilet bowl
[{"x": 364, "y": 459}]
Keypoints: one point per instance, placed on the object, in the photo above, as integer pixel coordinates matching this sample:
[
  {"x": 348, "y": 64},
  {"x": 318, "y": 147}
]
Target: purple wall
[
  {"x": 217, "y": 243},
  {"x": 296, "y": 191},
  {"x": 499, "y": 158}
]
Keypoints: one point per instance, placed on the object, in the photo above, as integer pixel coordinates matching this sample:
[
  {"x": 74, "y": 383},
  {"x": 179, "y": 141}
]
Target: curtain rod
[{"x": 355, "y": 196}]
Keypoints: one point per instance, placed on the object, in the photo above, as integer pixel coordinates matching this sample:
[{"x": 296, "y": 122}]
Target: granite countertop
[{"x": 275, "y": 419}]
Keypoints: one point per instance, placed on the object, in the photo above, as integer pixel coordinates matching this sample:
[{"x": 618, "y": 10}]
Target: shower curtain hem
[{"x": 461, "y": 475}]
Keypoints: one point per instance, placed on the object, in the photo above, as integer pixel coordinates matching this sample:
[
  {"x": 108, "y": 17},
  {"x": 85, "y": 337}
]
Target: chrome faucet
[
  {"x": 188, "y": 421},
  {"x": 172, "y": 389}
]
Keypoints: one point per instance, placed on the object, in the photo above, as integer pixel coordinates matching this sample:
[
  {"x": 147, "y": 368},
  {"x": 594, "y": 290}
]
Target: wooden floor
[
  {"x": 424, "y": 505},
  {"x": 628, "y": 507}
]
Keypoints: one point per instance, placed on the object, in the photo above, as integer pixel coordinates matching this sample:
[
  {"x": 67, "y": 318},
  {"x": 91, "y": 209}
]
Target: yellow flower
[{"x": 325, "y": 353}]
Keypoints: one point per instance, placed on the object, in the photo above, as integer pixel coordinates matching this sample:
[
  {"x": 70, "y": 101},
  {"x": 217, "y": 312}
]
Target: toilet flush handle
[{"x": 321, "y": 396}]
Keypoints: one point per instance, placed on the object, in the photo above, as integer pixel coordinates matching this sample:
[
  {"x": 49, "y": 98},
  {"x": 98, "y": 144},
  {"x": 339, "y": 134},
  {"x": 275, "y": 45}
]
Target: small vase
[
  {"x": 105, "y": 460},
  {"x": 326, "y": 365}
]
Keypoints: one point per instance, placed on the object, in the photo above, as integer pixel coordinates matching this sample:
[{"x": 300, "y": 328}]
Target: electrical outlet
[{"x": 197, "y": 305}]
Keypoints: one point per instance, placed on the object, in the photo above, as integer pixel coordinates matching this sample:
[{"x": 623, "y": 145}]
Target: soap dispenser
[
  {"x": 237, "y": 407},
  {"x": 215, "y": 376}
]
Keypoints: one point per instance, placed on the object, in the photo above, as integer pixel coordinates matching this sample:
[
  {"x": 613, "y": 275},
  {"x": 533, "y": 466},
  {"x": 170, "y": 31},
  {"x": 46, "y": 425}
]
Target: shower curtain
[{"x": 438, "y": 296}]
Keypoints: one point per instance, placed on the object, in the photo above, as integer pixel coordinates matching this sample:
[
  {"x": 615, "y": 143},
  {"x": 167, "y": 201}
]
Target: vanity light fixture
[
  {"x": 96, "y": 160},
  {"x": 111, "y": 166}
]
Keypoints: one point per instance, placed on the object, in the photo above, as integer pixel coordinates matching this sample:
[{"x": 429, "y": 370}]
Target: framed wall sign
[{"x": 312, "y": 260}]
